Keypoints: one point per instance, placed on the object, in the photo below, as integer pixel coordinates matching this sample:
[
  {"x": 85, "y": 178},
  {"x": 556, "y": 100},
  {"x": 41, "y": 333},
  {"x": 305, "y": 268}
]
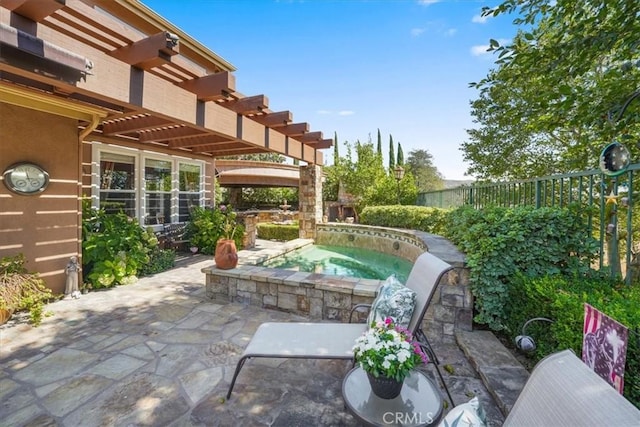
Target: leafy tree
[
  {"x": 259, "y": 157},
  {"x": 379, "y": 149},
  {"x": 336, "y": 154},
  {"x": 554, "y": 99},
  {"x": 426, "y": 175}
]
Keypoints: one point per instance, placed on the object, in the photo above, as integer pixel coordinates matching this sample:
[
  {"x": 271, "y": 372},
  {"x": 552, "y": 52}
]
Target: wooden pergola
[{"x": 159, "y": 88}]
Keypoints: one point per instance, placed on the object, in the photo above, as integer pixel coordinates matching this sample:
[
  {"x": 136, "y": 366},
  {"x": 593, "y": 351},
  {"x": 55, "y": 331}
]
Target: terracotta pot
[{"x": 226, "y": 255}]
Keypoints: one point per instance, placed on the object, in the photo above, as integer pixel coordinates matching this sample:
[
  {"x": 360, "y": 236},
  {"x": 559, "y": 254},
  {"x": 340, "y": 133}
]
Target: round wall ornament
[{"x": 26, "y": 178}]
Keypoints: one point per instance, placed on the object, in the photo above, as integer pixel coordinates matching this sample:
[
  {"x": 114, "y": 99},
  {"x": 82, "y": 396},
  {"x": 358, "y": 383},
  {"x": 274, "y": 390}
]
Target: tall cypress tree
[
  {"x": 336, "y": 155},
  {"x": 392, "y": 157},
  {"x": 379, "y": 144},
  {"x": 400, "y": 159}
]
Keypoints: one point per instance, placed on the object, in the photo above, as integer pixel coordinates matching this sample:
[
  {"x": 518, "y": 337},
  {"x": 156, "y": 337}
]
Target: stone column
[{"x": 310, "y": 199}]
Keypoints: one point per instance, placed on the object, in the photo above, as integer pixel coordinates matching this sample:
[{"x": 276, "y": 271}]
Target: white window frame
[{"x": 140, "y": 157}]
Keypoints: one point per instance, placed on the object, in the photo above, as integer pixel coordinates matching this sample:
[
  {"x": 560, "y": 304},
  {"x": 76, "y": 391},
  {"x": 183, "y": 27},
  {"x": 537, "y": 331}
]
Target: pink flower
[{"x": 388, "y": 321}]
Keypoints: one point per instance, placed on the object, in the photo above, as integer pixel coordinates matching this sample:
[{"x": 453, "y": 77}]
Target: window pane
[
  {"x": 189, "y": 177},
  {"x": 187, "y": 203},
  {"x": 158, "y": 208},
  {"x": 116, "y": 172},
  {"x": 157, "y": 175},
  {"x": 118, "y": 201}
]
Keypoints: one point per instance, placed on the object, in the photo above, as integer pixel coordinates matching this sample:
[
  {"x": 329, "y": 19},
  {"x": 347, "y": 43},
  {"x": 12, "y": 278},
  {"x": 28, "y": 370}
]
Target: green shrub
[
  {"x": 159, "y": 260},
  {"x": 280, "y": 232},
  {"x": 421, "y": 218},
  {"x": 208, "y": 225},
  {"x": 562, "y": 299},
  {"x": 114, "y": 247},
  {"x": 502, "y": 242}
]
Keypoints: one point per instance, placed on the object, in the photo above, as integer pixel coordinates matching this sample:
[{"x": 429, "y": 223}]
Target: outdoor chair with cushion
[
  {"x": 561, "y": 391},
  {"x": 304, "y": 340}
]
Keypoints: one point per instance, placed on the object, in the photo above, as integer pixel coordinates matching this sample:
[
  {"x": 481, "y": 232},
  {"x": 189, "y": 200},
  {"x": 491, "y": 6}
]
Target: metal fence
[{"x": 608, "y": 203}]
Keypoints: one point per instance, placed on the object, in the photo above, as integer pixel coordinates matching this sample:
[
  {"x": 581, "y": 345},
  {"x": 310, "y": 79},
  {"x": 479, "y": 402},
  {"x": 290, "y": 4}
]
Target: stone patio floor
[{"x": 159, "y": 353}]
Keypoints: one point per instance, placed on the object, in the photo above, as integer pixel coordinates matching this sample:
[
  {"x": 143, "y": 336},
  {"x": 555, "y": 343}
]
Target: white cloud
[
  {"x": 479, "y": 19},
  {"x": 427, "y": 2},
  {"x": 451, "y": 32},
  {"x": 480, "y": 50},
  {"x": 346, "y": 113},
  {"x": 415, "y": 32}
]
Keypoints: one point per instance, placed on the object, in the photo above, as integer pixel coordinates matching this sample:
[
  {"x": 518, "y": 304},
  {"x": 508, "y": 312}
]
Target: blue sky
[{"x": 355, "y": 66}]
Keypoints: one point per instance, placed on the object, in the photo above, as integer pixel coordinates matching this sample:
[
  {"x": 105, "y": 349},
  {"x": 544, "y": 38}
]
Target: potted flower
[
  {"x": 226, "y": 254},
  {"x": 387, "y": 353}
]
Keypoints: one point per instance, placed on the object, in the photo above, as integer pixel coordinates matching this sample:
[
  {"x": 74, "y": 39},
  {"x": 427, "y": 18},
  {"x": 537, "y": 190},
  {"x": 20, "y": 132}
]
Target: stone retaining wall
[{"x": 324, "y": 297}]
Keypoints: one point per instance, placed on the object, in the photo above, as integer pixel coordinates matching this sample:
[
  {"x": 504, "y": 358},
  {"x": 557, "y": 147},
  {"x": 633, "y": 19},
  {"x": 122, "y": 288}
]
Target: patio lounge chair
[
  {"x": 335, "y": 340},
  {"x": 563, "y": 391}
]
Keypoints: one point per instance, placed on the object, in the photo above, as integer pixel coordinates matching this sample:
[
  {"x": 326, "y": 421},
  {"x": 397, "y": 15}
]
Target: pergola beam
[
  {"x": 149, "y": 53},
  {"x": 295, "y": 129},
  {"x": 197, "y": 141},
  {"x": 325, "y": 143},
  {"x": 211, "y": 87},
  {"x": 248, "y": 105},
  {"x": 133, "y": 124},
  {"x": 274, "y": 120},
  {"x": 310, "y": 137},
  {"x": 165, "y": 134},
  {"x": 36, "y": 10}
]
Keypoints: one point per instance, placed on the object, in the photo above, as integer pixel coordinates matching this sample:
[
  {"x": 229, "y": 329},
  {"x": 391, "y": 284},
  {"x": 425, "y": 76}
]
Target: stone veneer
[{"x": 325, "y": 297}]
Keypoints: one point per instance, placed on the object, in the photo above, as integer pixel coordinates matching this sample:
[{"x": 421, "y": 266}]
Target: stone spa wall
[{"x": 330, "y": 298}]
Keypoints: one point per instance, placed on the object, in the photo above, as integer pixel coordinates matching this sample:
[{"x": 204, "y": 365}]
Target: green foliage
[
  {"x": 114, "y": 247},
  {"x": 256, "y": 197},
  {"x": 159, "y": 260},
  {"x": 208, "y": 225},
  {"x": 392, "y": 157},
  {"x": 562, "y": 298},
  {"x": 501, "y": 242},
  {"x": 420, "y": 165},
  {"x": 554, "y": 97},
  {"x": 431, "y": 220},
  {"x": 400, "y": 156},
  {"x": 21, "y": 290},
  {"x": 280, "y": 232}
]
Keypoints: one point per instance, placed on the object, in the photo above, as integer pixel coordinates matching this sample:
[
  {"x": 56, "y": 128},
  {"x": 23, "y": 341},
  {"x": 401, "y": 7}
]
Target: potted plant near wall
[
  {"x": 226, "y": 254},
  {"x": 21, "y": 290}
]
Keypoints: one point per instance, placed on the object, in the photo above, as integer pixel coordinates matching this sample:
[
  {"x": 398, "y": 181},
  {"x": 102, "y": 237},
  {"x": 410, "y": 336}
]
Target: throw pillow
[
  {"x": 468, "y": 414},
  {"x": 394, "y": 300}
]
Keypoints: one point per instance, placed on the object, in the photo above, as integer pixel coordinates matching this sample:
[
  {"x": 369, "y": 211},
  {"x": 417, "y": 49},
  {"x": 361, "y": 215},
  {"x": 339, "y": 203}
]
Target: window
[
  {"x": 117, "y": 183},
  {"x": 189, "y": 187},
  {"x": 155, "y": 188},
  {"x": 157, "y": 185}
]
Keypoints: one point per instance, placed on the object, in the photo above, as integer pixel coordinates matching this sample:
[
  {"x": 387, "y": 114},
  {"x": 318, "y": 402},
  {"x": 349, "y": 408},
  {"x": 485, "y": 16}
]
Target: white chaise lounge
[{"x": 336, "y": 340}]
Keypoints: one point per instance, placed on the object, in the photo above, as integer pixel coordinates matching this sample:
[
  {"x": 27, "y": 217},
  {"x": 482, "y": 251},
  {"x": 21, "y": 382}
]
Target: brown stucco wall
[{"x": 43, "y": 227}]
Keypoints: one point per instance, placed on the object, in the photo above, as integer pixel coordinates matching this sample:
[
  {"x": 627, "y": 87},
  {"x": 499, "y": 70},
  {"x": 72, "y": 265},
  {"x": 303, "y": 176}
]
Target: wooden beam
[
  {"x": 36, "y": 10},
  {"x": 238, "y": 151},
  {"x": 197, "y": 141},
  {"x": 165, "y": 134},
  {"x": 274, "y": 120},
  {"x": 295, "y": 129},
  {"x": 325, "y": 143},
  {"x": 211, "y": 87},
  {"x": 133, "y": 124},
  {"x": 227, "y": 145},
  {"x": 248, "y": 105},
  {"x": 148, "y": 53},
  {"x": 310, "y": 137}
]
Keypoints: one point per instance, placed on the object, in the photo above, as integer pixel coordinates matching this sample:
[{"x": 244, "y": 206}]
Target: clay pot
[
  {"x": 5, "y": 315},
  {"x": 226, "y": 255}
]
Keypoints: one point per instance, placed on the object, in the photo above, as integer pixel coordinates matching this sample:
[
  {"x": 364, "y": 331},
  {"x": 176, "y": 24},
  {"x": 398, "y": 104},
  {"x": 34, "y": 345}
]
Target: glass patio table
[{"x": 419, "y": 402}]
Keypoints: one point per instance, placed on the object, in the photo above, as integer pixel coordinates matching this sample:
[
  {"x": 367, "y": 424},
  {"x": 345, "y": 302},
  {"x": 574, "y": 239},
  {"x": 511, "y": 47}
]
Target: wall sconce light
[{"x": 524, "y": 342}]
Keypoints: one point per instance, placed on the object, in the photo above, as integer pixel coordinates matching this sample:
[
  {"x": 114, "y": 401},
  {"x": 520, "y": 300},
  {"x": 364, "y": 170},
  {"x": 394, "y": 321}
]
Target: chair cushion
[
  {"x": 394, "y": 300},
  {"x": 470, "y": 414}
]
